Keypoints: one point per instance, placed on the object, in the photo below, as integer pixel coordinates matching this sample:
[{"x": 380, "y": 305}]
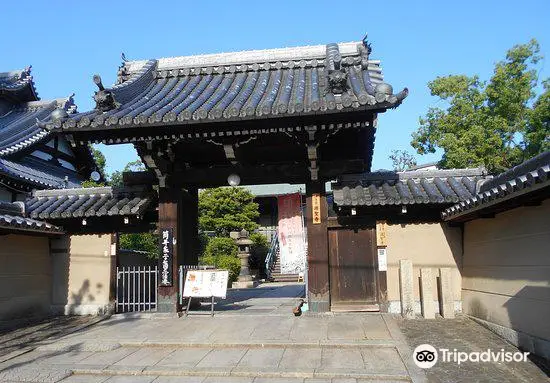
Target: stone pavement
[
  {"x": 465, "y": 335},
  {"x": 252, "y": 338}
]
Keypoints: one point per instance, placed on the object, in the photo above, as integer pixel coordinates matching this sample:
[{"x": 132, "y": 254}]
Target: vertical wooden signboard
[
  {"x": 167, "y": 257},
  {"x": 316, "y": 207},
  {"x": 381, "y": 236}
]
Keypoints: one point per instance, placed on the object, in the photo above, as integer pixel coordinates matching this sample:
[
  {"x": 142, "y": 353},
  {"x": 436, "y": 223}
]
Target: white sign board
[
  {"x": 206, "y": 283},
  {"x": 382, "y": 260}
]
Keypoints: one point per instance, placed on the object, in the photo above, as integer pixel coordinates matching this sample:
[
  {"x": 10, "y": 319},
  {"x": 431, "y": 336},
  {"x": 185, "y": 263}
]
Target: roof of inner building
[
  {"x": 408, "y": 187},
  {"x": 29, "y": 173},
  {"x": 240, "y": 86},
  {"x": 20, "y": 124},
  {"x": 18, "y": 86},
  {"x": 23, "y": 120}
]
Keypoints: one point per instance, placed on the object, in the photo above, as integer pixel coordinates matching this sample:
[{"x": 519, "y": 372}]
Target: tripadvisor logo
[{"x": 426, "y": 356}]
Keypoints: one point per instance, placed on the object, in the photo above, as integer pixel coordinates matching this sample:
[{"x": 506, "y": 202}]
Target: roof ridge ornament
[
  {"x": 367, "y": 46},
  {"x": 103, "y": 98},
  {"x": 337, "y": 78}
]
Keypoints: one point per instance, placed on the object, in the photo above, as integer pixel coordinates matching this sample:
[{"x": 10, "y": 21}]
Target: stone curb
[
  {"x": 267, "y": 344},
  {"x": 15, "y": 354},
  {"x": 80, "y": 346},
  {"x": 405, "y": 353},
  {"x": 251, "y": 373}
]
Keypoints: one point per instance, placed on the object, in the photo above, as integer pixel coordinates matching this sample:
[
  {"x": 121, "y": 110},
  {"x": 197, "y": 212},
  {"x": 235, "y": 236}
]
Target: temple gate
[{"x": 291, "y": 115}]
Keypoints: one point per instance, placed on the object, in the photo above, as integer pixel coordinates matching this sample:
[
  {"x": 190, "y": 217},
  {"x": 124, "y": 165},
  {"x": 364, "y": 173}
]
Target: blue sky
[{"x": 68, "y": 42}]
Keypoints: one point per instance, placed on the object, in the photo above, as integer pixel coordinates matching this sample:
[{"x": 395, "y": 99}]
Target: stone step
[
  {"x": 284, "y": 278},
  {"x": 288, "y": 364}
]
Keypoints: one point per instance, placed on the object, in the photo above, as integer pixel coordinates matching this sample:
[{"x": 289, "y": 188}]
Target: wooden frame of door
[{"x": 382, "y": 278}]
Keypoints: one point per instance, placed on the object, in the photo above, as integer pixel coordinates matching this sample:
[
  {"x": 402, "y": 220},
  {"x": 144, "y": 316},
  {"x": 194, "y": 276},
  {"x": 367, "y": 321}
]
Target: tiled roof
[
  {"x": 37, "y": 174},
  {"x": 89, "y": 202},
  {"x": 18, "y": 85},
  {"x": 19, "y": 127},
  {"x": 405, "y": 188},
  {"x": 241, "y": 86},
  {"x": 12, "y": 219},
  {"x": 529, "y": 177}
]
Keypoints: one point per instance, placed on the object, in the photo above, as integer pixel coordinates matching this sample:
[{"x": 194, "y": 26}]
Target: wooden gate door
[{"x": 353, "y": 270}]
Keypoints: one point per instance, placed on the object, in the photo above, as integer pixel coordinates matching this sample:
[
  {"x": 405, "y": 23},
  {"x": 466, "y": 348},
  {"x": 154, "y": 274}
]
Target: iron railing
[
  {"x": 272, "y": 254},
  {"x": 136, "y": 288}
]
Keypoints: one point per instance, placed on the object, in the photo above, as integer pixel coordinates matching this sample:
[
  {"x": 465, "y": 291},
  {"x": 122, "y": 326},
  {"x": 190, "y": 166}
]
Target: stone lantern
[{"x": 245, "y": 279}]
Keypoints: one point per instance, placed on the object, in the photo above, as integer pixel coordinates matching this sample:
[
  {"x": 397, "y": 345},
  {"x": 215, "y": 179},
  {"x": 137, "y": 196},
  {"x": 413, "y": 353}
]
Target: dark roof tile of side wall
[
  {"x": 89, "y": 202},
  {"x": 529, "y": 176},
  {"x": 13, "y": 219},
  {"x": 242, "y": 85},
  {"x": 406, "y": 188}
]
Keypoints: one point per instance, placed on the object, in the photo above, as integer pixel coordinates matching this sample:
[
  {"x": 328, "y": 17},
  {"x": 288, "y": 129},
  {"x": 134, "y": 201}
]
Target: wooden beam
[
  {"x": 188, "y": 216},
  {"x": 317, "y": 250},
  {"x": 139, "y": 178},
  {"x": 169, "y": 221}
]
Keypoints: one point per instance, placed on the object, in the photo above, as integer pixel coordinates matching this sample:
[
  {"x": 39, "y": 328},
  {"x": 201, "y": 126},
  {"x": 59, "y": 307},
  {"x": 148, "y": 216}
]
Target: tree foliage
[
  {"x": 496, "y": 124},
  {"x": 147, "y": 242},
  {"x": 227, "y": 209},
  {"x": 258, "y": 251},
  {"x": 116, "y": 176},
  {"x": 402, "y": 160},
  {"x": 99, "y": 159},
  {"x": 101, "y": 162}
]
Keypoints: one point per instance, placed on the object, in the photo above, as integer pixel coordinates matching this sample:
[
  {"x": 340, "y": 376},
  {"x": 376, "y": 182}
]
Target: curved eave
[
  {"x": 18, "y": 86},
  {"x": 72, "y": 127}
]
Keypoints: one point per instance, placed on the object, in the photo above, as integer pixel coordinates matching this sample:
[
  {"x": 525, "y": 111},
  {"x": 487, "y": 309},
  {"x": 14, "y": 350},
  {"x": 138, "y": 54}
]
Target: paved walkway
[{"x": 253, "y": 338}]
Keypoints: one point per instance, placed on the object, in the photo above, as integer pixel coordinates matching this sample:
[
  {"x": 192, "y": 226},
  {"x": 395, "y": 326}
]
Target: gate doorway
[{"x": 354, "y": 282}]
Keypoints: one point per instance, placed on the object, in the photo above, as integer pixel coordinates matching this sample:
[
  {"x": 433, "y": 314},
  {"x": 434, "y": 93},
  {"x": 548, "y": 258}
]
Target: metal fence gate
[{"x": 136, "y": 288}]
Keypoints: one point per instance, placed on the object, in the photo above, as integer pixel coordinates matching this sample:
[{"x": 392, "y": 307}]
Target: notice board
[{"x": 206, "y": 283}]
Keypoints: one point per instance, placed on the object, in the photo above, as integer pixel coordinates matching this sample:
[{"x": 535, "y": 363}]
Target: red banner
[{"x": 291, "y": 234}]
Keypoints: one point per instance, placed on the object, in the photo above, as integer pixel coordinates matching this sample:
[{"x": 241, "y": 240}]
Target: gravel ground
[
  {"x": 466, "y": 335},
  {"x": 28, "y": 334}
]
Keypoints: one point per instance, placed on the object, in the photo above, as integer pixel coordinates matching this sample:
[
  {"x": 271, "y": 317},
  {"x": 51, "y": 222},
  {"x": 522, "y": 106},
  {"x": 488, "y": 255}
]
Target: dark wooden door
[{"x": 353, "y": 269}]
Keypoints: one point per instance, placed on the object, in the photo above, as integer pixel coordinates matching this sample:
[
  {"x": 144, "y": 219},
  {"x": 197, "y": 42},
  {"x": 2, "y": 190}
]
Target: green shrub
[
  {"x": 258, "y": 252},
  {"x": 221, "y": 252}
]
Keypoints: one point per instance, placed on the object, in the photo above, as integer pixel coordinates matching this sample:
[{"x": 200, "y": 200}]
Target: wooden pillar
[
  {"x": 189, "y": 228},
  {"x": 169, "y": 223},
  {"x": 317, "y": 247}
]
